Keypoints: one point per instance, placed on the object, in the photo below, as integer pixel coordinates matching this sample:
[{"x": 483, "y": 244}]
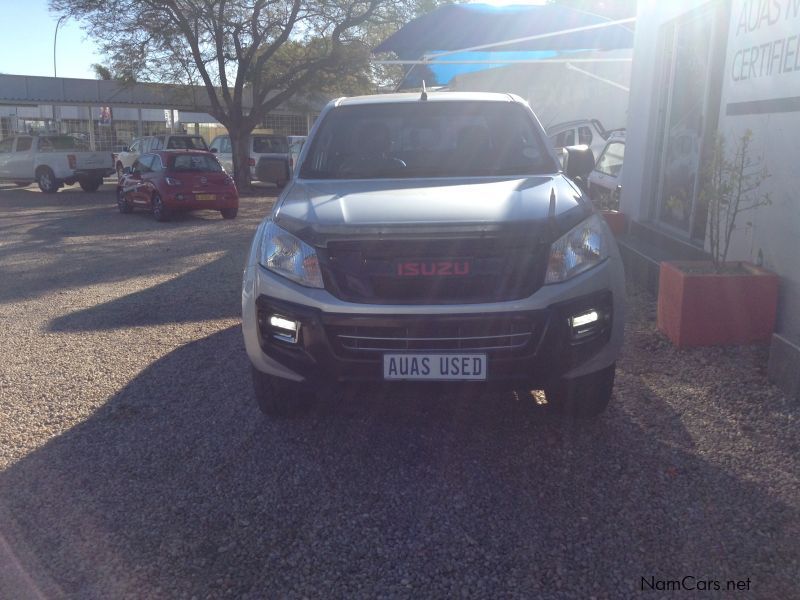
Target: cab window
[
  {"x": 565, "y": 138},
  {"x": 23, "y": 144},
  {"x": 584, "y": 135}
]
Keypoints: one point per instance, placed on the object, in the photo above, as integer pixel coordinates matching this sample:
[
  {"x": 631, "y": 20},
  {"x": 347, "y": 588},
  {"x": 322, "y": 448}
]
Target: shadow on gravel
[
  {"x": 189, "y": 297},
  {"x": 60, "y": 245},
  {"x": 177, "y": 486}
]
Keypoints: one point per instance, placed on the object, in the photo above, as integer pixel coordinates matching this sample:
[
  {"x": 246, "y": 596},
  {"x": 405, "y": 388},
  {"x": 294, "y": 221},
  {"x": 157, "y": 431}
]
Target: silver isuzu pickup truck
[{"x": 433, "y": 237}]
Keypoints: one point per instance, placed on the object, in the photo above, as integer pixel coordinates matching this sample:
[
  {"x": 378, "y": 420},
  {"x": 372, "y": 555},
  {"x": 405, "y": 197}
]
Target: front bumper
[
  {"x": 187, "y": 201},
  {"x": 547, "y": 354}
]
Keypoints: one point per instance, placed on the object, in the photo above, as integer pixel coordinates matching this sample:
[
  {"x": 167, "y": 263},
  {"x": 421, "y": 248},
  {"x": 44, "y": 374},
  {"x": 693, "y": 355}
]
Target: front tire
[
  {"x": 229, "y": 213},
  {"x": 160, "y": 212},
  {"x": 90, "y": 184},
  {"x": 278, "y": 397},
  {"x": 47, "y": 180},
  {"x": 582, "y": 397}
]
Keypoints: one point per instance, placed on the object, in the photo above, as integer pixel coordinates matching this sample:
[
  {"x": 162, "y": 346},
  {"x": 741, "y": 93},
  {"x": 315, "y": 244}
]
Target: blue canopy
[{"x": 459, "y": 26}]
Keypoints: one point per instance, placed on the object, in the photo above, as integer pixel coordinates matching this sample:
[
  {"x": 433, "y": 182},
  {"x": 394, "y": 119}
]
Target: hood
[{"x": 321, "y": 209}]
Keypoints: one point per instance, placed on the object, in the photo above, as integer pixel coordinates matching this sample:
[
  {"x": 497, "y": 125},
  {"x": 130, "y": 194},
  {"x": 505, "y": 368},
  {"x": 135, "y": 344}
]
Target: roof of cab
[{"x": 432, "y": 97}]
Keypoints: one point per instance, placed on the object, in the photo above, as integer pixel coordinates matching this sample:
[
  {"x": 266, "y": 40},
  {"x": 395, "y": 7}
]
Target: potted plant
[{"x": 703, "y": 303}]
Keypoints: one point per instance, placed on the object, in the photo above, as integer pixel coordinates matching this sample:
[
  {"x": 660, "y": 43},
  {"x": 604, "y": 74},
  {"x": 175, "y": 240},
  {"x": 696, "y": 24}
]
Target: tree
[
  {"x": 102, "y": 72},
  {"x": 731, "y": 186},
  {"x": 269, "y": 50}
]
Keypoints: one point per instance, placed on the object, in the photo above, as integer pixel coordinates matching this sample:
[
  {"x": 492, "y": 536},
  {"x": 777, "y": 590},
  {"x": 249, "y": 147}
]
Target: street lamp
[{"x": 55, "y": 35}]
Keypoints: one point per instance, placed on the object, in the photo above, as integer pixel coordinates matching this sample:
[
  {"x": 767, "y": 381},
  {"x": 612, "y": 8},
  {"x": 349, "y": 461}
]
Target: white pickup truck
[{"x": 53, "y": 161}]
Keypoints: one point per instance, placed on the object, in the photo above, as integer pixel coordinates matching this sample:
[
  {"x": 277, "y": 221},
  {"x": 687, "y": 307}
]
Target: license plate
[
  {"x": 205, "y": 196},
  {"x": 435, "y": 367}
]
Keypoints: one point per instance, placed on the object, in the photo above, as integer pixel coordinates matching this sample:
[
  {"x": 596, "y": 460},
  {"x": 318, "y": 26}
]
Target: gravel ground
[{"x": 135, "y": 464}]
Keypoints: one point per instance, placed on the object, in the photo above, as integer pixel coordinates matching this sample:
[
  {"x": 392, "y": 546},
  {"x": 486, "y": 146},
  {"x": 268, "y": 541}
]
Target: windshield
[
  {"x": 270, "y": 145},
  {"x": 194, "y": 142},
  {"x": 427, "y": 139},
  {"x": 195, "y": 162}
]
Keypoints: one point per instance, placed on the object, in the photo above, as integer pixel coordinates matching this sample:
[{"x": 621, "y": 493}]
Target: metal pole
[{"x": 55, "y": 35}]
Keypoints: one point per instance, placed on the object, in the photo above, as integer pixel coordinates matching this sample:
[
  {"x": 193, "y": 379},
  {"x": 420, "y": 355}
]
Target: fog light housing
[
  {"x": 585, "y": 324},
  {"x": 284, "y": 329}
]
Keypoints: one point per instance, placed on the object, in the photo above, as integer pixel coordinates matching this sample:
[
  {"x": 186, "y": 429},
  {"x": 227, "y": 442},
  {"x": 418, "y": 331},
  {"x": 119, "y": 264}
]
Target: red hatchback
[{"x": 177, "y": 180}]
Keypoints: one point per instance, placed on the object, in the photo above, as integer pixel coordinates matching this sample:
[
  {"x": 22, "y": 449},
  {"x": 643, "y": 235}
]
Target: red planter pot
[
  {"x": 616, "y": 221},
  {"x": 708, "y": 309}
]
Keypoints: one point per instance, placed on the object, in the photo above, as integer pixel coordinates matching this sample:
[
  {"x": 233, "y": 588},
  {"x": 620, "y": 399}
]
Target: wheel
[
  {"x": 278, "y": 397},
  {"x": 583, "y": 397},
  {"x": 119, "y": 170},
  {"x": 47, "y": 181},
  {"x": 229, "y": 213},
  {"x": 123, "y": 204},
  {"x": 160, "y": 212},
  {"x": 90, "y": 184}
]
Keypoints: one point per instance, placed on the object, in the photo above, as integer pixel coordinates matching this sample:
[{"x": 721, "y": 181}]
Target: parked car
[
  {"x": 166, "y": 182},
  {"x": 172, "y": 141},
  {"x": 53, "y": 161},
  {"x": 433, "y": 237},
  {"x": 605, "y": 180},
  {"x": 583, "y": 132},
  {"x": 273, "y": 148},
  {"x": 126, "y": 158}
]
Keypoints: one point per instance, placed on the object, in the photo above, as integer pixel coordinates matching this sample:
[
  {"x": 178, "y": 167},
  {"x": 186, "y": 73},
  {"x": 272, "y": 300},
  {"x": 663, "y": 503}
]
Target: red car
[{"x": 177, "y": 180}]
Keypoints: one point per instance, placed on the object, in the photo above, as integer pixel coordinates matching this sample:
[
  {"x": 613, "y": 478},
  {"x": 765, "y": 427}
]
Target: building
[
  {"x": 703, "y": 68},
  {"x": 109, "y": 114}
]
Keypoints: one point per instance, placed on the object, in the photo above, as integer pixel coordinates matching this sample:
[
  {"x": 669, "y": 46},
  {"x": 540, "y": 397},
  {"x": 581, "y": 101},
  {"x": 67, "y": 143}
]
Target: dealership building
[
  {"x": 701, "y": 69},
  {"x": 110, "y": 114}
]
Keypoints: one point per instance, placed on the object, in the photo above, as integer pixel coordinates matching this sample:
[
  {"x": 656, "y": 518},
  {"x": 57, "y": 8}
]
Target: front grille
[
  {"x": 501, "y": 268},
  {"x": 502, "y": 336}
]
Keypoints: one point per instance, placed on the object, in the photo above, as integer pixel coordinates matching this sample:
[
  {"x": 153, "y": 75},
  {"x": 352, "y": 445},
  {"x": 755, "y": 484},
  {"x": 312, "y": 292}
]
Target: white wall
[{"x": 775, "y": 230}]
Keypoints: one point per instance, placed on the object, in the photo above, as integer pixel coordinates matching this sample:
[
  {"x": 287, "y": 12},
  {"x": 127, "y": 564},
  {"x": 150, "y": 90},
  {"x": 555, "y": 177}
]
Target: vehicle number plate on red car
[
  {"x": 205, "y": 196},
  {"x": 435, "y": 367}
]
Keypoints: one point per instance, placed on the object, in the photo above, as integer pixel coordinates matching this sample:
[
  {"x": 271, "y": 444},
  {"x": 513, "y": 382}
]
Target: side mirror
[
  {"x": 214, "y": 150},
  {"x": 578, "y": 162}
]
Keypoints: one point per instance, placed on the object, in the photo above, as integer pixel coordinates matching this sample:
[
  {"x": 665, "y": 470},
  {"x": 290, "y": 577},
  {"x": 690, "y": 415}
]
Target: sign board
[{"x": 762, "y": 70}]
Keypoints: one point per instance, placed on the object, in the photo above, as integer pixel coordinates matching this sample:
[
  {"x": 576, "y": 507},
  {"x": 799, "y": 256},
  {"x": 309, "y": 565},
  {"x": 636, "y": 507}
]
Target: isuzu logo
[{"x": 433, "y": 268}]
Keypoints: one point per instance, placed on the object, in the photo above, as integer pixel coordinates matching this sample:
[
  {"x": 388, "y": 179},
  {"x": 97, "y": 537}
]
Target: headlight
[
  {"x": 284, "y": 254},
  {"x": 578, "y": 250}
]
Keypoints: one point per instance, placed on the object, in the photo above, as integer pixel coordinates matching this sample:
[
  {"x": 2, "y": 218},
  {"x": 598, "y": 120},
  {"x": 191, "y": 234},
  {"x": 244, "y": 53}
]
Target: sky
[{"x": 26, "y": 42}]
